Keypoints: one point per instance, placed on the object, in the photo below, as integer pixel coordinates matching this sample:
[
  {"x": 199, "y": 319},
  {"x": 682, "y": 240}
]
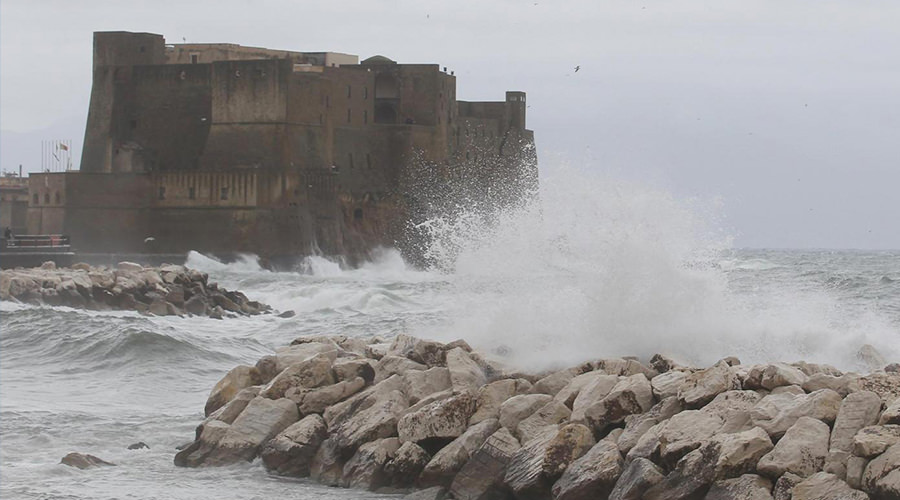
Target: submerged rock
[{"x": 82, "y": 461}]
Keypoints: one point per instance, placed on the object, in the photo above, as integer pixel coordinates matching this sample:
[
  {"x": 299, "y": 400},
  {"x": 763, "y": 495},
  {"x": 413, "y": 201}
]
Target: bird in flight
[{"x": 577, "y": 68}]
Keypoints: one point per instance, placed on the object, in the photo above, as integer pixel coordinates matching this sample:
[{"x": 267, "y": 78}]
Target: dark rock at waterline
[
  {"x": 168, "y": 290},
  {"x": 140, "y": 445},
  {"x": 287, "y": 314},
  {"x": 81, "y": 461}
]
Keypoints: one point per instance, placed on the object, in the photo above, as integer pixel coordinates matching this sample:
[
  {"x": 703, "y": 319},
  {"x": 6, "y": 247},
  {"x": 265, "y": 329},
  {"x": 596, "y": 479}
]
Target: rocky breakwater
[
  {"x": 448, "y": 423},
  {"x": 161, "y": 291}
]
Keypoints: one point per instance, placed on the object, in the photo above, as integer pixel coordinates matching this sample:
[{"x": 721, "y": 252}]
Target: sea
[{"x": 593, "y": 268}]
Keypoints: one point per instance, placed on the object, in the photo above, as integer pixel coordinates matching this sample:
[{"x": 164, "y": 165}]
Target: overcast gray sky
[{"x": 787, "y": 110}]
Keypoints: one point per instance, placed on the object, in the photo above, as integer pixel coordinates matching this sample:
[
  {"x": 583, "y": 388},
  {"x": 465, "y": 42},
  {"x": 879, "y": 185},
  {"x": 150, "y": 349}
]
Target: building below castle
[{"x": 226, "y": 149}]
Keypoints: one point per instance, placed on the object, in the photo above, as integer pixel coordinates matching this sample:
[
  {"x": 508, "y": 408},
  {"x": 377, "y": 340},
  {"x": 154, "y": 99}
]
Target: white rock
[
  {"x": 778, "y": 411},
  {"x": 465, "y": 373},
  {"x": 518, "y": 408},
  {"x": 801, "y": 451}
]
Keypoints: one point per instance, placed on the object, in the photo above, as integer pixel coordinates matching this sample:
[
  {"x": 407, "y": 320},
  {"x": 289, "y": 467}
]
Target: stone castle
[{"x": 222, "y": 148}]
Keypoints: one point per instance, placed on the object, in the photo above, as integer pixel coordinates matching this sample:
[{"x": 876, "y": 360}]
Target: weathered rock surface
[
  {"x": 825, "y": 486},
  {"x": 701, "y": 387},
  {"x": 291, "y": 452},
  {"x": 551, "y": 414},
  {"x": 308, "y": 374},
  {"x": 525, "y": 470},
  {"x": 366, "y": 468},
  {"x": 891, "y": 415},
  {"x": 481, "y": 478},
  {"x": 465, "y": 373},
  {"x": 317, "y": 400},
  {"x": 881, "y": 477},
  {"x": 629, "y": 396},
  {"x": 451, "y": 458},
  {"x": 491, "y": 396},
  {"x": 593, "y": 391},
  {"x": 569, "y": 444},
  {"x": 518, "y": 408},
  {"x": 801, "y": 451},
  {"x": 746, "y": 487},
  {"x": 639, "y": 476},
  {"x": 82, "y": 461},
  {"x": 874, "y": 440},
  {"x": 445, "y": 419},
  {"x": 419, "y": 384},
  {"x": 667, "y": 384},
  {"x": 594, "y": 475},
  {"x": 778, "y": 411},
  {"x": 637, "y": 425},
  {"x": 407, "y": 464},
  {"x": 234, "y": 381}
]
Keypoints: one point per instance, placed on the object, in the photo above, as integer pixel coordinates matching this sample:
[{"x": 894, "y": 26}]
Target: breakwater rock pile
[
  {"x": 161, "y": 291},
  {"x": 442, "y": 419}
]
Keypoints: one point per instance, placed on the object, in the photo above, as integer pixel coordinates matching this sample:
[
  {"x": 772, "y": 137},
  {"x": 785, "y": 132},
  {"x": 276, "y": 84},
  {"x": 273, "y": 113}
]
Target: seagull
[{"x": 577, "y": 68}]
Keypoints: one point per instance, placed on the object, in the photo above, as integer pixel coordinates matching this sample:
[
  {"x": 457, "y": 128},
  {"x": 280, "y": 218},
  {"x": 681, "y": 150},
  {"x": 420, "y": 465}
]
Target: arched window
[
  {"x": 34, "y": 199},
  {"x": 56, "y": 197},
  {"x": 46, "y": 198},
  {"x": 385, "y": 112}
]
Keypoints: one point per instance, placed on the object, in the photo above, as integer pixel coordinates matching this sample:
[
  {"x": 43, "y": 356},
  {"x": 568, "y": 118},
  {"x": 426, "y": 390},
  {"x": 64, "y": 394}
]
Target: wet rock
[
  {"x": 630, "y": 395},
  {"x": 518, "y": 408},
  {"x": 778, "y": 411},
  {"x": 451, "y": 458},
  {"x": 309, "y": 373},
  {"x": 442, "y": 420},
  {"x": 233, "y": 408},
  {"x": 140, "y": 445},
  {"x": 746, "y": 487},
  {"x": 801, "y": 451},
  {"x": 639, "y": 476},
  {"x": 570, "y": 443},
  {"x": 825, "y": 486},
  {"x": 287, "y": 314},
  {"x": 881, "y": 477},
  {"x": 291, "y": 452},
  {"x": 481, "y": 478},
  {"x": 327, "y": 466},
  {"x": 433, "y": 493},
  {"x": 365, "y": 469},
  {"x": 874, "y": 440},
  {"x": 419, "y": 384},
  {"x": 81, "y": 461},
  {"x": 338, "y": 413},
  {"x": 318, "y": 399},
  {"x": 465, "y": 373},
  {"x": 594, "y": 475},
  {"x": 702, "y": 386},
  {"x": 233, "y": 382},
  {"x": 261, "y": 420},
  {"x": 408, "y": 462},
  {"x": 491, "y": 396}
]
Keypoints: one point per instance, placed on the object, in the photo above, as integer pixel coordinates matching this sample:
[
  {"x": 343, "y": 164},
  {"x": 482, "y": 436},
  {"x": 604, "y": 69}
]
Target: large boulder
[
  {"x": 637, "y": 425},
  {"x": 233, "y": 408},
  {"x": 408, "y": 462},
  {"x": 481, "y": 478},
  {"x": 84, "y": 461},
  {"x": 309, "y": 373},
  {"x": 801, "y": 451},
  {"x": 667, "y": 384},
  {"x": 491, "y": 396},
  {"x": 426, "y": 352},
  {"x": 685, "y": 432},
  {"x": 825, "y": 486},
  {"x": 858, "y": 410},
  {"x": 594, "y": 475},
  {"x": 556, "y": 381},
  {"x": 881, "y": 477},
  {"x": 465, "y": 373},
  {"x": 340, "y": 412},
  {"x": 291, "y": 452},
  {"x": 525, "y": 471},
  {"x": 327, "y": 466},
  {"x": 570, "y": 443},
  {"x": 419, "y": 384},
  {"x": 366, "y": 468},
  {"x": 570, "y": 391},
  {"x": 239, "y": 377},
  {"x": 746, "y": 487},
  {"x": 740, "y": 452},
  {"x": 701, "y": 387},
  {"x": 551, "y": 414},
  {"x": 779, "y": 375},
  {"x": 451, "y": 458},
  {"x": 874, "y": 440},
  {"x": 350, "y": 368},
  {"x": 891, "y": 415},
  {"x": 295, "y": 353},
  {"x": 443, "y": 420},
  {"x": 690, "y": 479},
  {"x": 518, "y": 408},
  {"x": 395, "y": 365},
  {"x": 593, "y": 391},
  {"x": 630, "y": 395},
  {"x": 375, "y": 422},
  {"x": 316, "y": 400},
  {"x": 779, "y": 411},
  {"x": 639, "y": 476},
  {"x": 842, "y": 384}
]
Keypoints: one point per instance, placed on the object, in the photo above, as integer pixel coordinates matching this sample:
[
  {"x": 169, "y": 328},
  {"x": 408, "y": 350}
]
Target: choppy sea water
[{"x": 588, "y": 273}]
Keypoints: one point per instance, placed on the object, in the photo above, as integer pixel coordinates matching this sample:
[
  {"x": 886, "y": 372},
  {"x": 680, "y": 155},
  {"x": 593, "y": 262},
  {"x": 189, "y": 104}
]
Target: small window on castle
[
  {"x": 321, "y": 119},
  {"x": 162, "y": 192},
  {"x": 358, "y": 214},
  {"x": 349, "y": 93},
  {"x": 192, "y": 193},
  {"x": 34, "y": 199},
  {"x": 56, "y": 197},
  {"x": 365, "y": 92},
  {"x": 365, "y": 116},
  {"x": 350, "y": 155},
  {"x": 348, "y": 115},
  {"x": 46, "y": 198},
  {"x": 132, "y": 124},
  {"x": 195, "y": 58},
  {"x": 223, "y": 193},
  {"x": 143, "y": 49},
  {"x": 368, "y": 160}
]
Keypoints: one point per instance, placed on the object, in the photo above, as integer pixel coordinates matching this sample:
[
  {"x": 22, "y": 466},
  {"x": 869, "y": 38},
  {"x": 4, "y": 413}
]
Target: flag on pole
[{"x": 63, "y": 147}]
